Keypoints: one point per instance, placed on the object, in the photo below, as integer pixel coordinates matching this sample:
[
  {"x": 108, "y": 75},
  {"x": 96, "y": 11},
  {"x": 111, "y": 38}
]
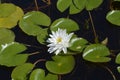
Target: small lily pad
[
  {"x": 6, "y": 36},
  {"x": 61, "y": 64},
  {"x": 117, "y": 60},
  {"x": 62, "y": 5},
  {"x": 78, "y": 44},
  {"x": 114, "y": 17},
  {"x": 10, "y": 15},
  {"x": 21, "y": 72},
  {"x": 62, "y": 23},
  {"x": 96, "y": 53},
  {"x": 39, "y": 74},
  {"x": 32, "y": 21},
  {"x": 9, "y": 54},
  {"x": 42, "y": 36}
]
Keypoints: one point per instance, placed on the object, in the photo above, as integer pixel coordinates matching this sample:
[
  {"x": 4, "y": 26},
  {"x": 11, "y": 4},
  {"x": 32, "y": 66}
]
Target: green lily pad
[
  {"x": 10, "y": 15},
  {"x": 33, "y": 23},
  {"x": 42, "y": 36},
  {"x": 92, "y": 4},
  {"x": 6, "y": 36},
  {"x": 61, "y": 64},
  {"x": 9, "y": 54},
  {"x": 62, "y": 5},
  {"x": 118, "y": 68},
  {"x": 114, "y": 17},
  {"x": 73, "y": 9},
  {"x": 78, "y": 44},
  {"x": 77, "y": 6},
  {"x": 39, "y": 74},
  {"x": 96, "y": 53},
  {"x": 62, "y": 23},
  {"x": 21, "y": 72},
  {"x": 117, "y": 60}
]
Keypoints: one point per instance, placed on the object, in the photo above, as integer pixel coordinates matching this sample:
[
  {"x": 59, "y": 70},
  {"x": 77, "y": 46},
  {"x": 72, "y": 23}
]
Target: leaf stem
[
  {"x": 36, "y": 5},
  {"x": 34, "y": 53},
  {"x": 93, "y": 27},
  {"x": 110, "y": 71},
  {"x": 59, "y": 77},
  {"x": 40, "y": 60}
]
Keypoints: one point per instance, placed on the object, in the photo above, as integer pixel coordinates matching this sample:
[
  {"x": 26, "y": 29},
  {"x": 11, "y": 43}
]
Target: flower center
[{"x": 59, "y": 39}]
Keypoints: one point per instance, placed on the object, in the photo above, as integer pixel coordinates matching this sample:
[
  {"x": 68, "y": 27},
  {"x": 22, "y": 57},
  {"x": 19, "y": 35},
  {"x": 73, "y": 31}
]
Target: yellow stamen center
[{"x": 59, "y": 39}]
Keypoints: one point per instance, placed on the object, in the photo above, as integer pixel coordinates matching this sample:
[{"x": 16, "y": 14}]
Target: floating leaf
[
  {"x": 117, "y": 60},
  {"x": 62, "y": 5},
  {"x": 9, "y": 54},
  {"x": 6, "y": 36},
  {"x": 114, "y": 17},
  {"x": 96, "y": 53},
  {"x": 42, "y": 36},
  {"x": 32, "y": 22},
  {"x": 77, "y": 6},
  {"x": 21, "y": 72},
  {"x": 39, "y": 74},
  {"x": 92, "y": 4},
  {"x": 61, "y": 64},
  {"x": 118, "y": 68},
  {"x": 78, "y": 44},
  {"x": 73, "y": 9},
  {"x": 9, "y": 15},
  {"x": 62, "y": 23}
]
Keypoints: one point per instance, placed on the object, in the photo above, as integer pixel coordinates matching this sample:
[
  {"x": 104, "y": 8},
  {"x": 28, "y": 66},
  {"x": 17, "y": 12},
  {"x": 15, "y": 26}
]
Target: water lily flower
[{"x": 59, "y": 41}]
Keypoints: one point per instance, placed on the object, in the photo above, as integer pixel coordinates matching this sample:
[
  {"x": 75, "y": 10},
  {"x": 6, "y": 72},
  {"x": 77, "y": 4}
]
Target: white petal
[{"x": 65, "y": 50}]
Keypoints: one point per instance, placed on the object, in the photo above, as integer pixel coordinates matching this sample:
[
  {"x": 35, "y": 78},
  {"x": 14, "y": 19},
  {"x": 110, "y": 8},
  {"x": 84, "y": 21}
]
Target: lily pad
[
  {"x": 62, "y": 23},
  {"x": 21, "y": 72},
  {"x": 96, "y": 53},
  {"x": 117, "y": 60},
  {"x": 33, "y": 22},
  {"x": 61, "y": 64},
  {"x": 62, "y": 5},
  {"x": 92, "y": 4},
  {"x": 118, "y": 68},
  {"x": 9, "y": 54},
  {"x": 42, "y": 36},
  {"x": 78, "y": 44},
  {"x": 10, "y": 15},
  {"x": 39, "y": 74},
  {"x": 6, "y": 36},
  {"x": 114, "y": 17},
  {"x": 77, "y": 6}
]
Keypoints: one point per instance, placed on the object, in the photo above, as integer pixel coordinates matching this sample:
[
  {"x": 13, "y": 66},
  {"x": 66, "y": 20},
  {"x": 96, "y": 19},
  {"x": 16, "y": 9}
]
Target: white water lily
[{"x": 59, "y": 41}]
